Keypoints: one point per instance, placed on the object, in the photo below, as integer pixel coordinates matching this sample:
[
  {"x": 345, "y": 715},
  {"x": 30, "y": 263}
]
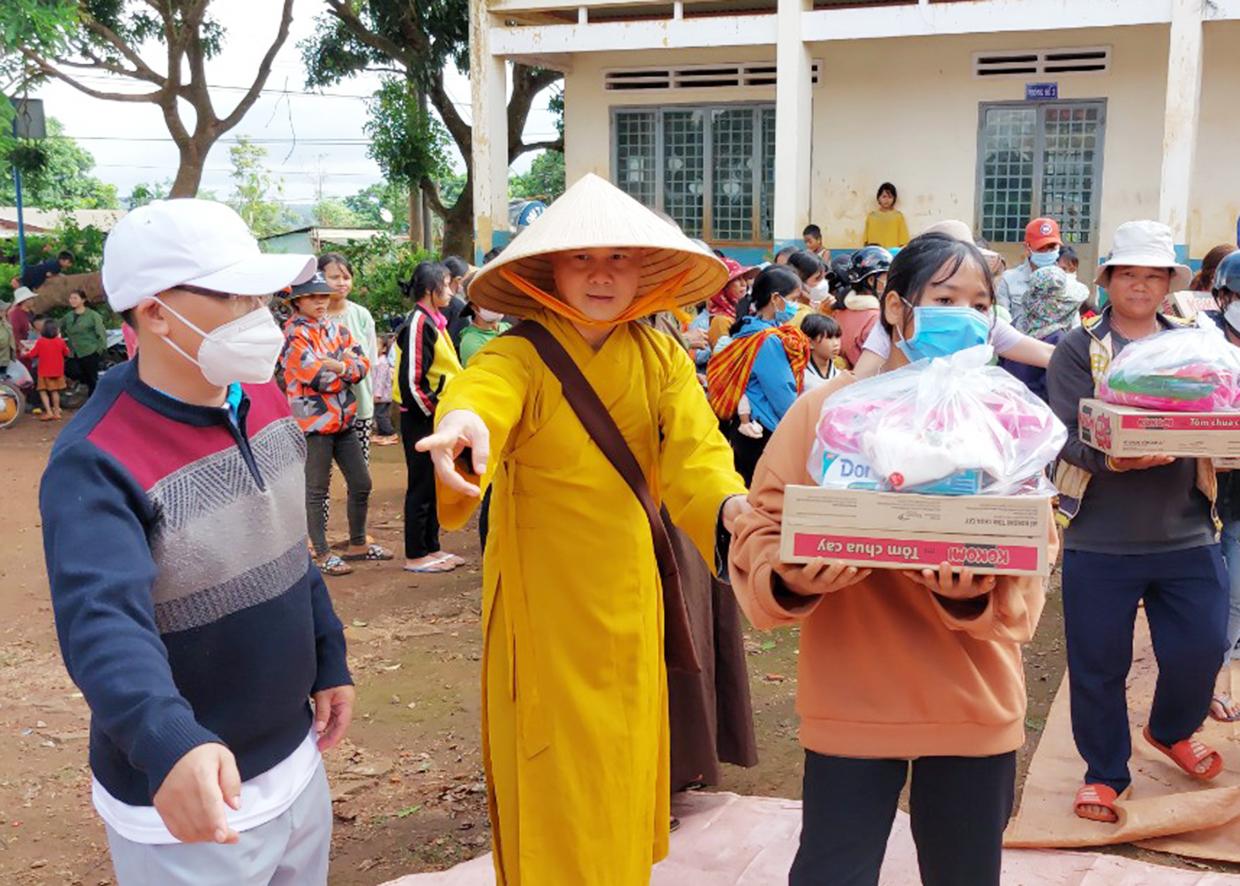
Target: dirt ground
[{"x": 407, "y": 783}]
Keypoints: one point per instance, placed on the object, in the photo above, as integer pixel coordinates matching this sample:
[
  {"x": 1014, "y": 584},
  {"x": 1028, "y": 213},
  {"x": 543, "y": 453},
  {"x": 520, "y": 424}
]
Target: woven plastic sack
[
  {"x": 1194, "y": 369},
  {"x": 949, "y": 426}
]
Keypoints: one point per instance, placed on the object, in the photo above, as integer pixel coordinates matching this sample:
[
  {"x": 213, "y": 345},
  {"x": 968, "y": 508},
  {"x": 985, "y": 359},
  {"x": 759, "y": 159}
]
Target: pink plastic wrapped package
[
  {"x": 950, "y": 426},
  {"x": 1180, "y": 370}
]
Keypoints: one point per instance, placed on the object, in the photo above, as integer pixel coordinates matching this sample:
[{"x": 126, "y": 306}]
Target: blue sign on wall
[{"x": 1040, "y": 92}]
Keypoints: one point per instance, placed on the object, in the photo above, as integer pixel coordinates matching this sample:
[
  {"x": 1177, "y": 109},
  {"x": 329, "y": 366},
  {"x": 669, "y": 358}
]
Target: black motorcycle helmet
[
  {"x": 867, "y": 263},
  {"x": 839, "y": 274},
  {"x": 1227, "y": 276},
  {"x": 1227, "y": 292}
]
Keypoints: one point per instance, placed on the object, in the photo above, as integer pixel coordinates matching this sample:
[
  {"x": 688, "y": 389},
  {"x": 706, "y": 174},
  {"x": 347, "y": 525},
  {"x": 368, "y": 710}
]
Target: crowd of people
[{"x": 622, "y": 407}]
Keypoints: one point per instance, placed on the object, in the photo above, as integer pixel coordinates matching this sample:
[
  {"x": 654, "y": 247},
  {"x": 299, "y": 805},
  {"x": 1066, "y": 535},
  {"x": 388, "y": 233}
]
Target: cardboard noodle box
[
  {"x": 883, "y": 530},
  {"x": 1128, "y": 431}
]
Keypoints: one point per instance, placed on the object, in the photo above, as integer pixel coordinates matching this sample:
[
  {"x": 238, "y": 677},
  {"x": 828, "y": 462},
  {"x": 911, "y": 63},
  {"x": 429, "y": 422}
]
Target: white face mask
[
  {"x": 818, "y": 294},
  {"x": 489, "y": 316},
  {"x": 242, "y": 350}
]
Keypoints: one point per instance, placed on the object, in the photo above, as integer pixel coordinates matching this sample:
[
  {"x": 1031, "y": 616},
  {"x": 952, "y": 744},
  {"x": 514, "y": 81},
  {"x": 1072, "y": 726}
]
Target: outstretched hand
[{"x": 458, "y": 430}]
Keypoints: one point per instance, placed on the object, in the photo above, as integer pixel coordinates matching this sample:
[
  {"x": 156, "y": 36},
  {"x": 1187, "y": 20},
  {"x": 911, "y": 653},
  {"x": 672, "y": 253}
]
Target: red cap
[
  {"x": 1042, "y": 232},
  {"x": 736, "y": 269}
]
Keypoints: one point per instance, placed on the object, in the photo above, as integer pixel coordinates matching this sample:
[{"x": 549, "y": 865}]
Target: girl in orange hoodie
[{"x": 898, "y": 671}]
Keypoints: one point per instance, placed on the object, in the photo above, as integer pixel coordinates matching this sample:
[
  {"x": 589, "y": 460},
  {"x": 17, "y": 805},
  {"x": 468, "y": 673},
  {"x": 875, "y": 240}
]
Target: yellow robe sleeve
[
  {"x": 495, "y": 387},
  {"x": 901, "y": 231},
  {"x": 695, "y": 463}
]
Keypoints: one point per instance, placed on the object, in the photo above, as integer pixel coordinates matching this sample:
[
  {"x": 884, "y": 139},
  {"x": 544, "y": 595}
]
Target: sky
[{"x": 315, "y": 142}]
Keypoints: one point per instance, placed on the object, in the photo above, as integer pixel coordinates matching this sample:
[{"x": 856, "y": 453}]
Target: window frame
[{"x": 757, "y": 109}]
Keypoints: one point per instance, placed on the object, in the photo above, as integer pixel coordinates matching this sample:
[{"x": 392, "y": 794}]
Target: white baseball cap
[
  {"x": 191, "y": 242},
  {"x": 21, "y": 294}
]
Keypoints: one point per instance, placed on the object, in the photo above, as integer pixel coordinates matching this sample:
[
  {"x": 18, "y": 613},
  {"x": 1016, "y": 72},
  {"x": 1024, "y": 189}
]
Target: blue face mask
[
  {"x": 1044, "y": 259},
  {"x": 942, "y": 331},
  {"x": 786, "y": 315}
]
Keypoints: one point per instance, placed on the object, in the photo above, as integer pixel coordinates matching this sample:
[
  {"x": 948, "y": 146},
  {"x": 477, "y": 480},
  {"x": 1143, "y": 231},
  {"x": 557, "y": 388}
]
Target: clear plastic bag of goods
[
  {"x": 1194, "y": 369},
  {"x": 949, "y": 426}
]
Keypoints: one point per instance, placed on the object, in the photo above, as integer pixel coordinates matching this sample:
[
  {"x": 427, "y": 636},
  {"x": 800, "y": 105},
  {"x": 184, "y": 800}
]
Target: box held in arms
[
  {"x": 992, "y": 535},
  {"x": 1127, "y": 431}
]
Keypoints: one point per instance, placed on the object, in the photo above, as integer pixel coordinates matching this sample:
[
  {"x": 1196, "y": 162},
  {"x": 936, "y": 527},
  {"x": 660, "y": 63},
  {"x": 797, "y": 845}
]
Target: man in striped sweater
[{"x": 187, "y": 607}]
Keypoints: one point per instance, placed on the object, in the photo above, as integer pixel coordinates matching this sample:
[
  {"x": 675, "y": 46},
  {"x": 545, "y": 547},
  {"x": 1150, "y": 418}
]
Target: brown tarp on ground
[
  {"x": 54, "y": 293},
  {"x": 1167, "y": 811},
  {"x": 710, "y": 712},
  {"x": 726, "y": 840}
]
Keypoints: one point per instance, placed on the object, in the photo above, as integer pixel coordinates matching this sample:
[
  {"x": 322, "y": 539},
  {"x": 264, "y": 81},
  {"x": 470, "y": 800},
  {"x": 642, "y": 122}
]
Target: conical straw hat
[{"x": 592, "y": 214}]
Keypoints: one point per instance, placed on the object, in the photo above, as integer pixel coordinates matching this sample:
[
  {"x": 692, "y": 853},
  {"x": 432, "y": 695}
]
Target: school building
[{"x": 747, "y": 120}]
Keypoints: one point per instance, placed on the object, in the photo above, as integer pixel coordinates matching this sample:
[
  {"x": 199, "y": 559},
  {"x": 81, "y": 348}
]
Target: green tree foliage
[
  {"x": 380, "y": 265},
  {"x": 418, "y": 40},
  {"x": 162, "y": 47},
  {"x": 256, "y": 192},
  {"x": 86, "y": 244},
  {"x": 408, "y": 144},
  {"x": 330, "y": 213},
  {"x": 146, "y": 192},
  {"x": 368, "y": 205},
  {"x": 544, "y": 181},
  {"x": 63, "y": 181}
]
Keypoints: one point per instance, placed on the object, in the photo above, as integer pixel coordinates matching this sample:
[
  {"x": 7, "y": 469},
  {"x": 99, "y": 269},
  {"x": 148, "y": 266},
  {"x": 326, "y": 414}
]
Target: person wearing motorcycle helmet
[
  {"x": 839, "y": 276},
  {"x": 867, "y": 275},
  {"x": 1226, "y": 289}
]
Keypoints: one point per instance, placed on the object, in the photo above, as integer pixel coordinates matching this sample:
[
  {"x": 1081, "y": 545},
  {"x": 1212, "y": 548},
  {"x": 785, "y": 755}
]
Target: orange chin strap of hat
[{"x": 661, "y": 298}]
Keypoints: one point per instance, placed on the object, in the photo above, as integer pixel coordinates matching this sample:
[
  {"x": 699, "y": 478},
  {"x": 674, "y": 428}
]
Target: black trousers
[
  {"x": 959, "y": 808},
  {"x": 746, "y": 451},
  {"x": 421, "y": 516},
  {"x": 84, "y": 370},
  {"x": 346, "y": 450}
]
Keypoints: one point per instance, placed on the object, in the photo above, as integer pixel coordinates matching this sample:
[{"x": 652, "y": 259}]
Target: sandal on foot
[
  {"x": 1096, "y": 795},
  {"x": 437, "y": 565},
  {"x": 372, "y": 552},
  {"x": 454, "y": 560},
  {"x": 333, "y": 565},
  {"x": 1189, "y": 754},
  {"x": 1223, "y": 702}
]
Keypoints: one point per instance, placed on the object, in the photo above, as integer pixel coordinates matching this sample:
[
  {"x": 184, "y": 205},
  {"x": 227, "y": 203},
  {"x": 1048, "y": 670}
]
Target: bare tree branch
[
  {"x": 264, "y": 70},
  {"x": 461, "y": 131},
  {"x": 112, "y": 38},
  {"x": 431, "y": 193},
  {"x": 343, "y": 11},
  {"x": 557, "y": 145},
  {"x": 47, "y": 68}
]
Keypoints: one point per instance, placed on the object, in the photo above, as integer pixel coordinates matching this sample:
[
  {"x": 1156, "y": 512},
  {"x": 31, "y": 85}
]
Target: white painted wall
[
  {"x": 1216, "y": 182},
  {"x": 907, "y": 111},
  {"x": 915, "y": 105}
]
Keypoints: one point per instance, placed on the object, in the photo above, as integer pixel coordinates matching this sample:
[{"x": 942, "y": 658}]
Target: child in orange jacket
[{"x": 898, "y": 671}]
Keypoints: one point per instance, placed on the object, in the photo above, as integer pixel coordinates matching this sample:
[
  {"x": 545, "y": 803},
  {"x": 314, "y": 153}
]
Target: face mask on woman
[
  {"x": 819, "y": 293},
  {"x": 942, "y": 331},
  {"x": 785, "y": 316}
]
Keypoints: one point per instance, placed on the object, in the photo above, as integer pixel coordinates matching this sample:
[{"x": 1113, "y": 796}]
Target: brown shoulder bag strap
[{"x": 584, "y": 400}]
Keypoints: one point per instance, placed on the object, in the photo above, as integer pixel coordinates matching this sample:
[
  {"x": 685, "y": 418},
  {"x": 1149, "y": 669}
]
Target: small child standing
[
  {"x": 51, "y": 351},
  {"x": 825, "y": 338},
  {"x": 886, "y": 227},
  {"x": 1053, "y": 308},
  {"x": 321, "y": 362},
  {"x": 382, "y": 390}
]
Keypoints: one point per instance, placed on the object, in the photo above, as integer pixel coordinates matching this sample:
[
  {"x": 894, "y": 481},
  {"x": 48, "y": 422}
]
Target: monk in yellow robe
[{"x": 575, "y": 722}]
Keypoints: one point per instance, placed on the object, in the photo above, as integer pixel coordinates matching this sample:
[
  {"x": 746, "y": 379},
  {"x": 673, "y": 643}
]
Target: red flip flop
[
  {"x": 1188, "y": 754},
  {"x": 1096, "y": 795}
]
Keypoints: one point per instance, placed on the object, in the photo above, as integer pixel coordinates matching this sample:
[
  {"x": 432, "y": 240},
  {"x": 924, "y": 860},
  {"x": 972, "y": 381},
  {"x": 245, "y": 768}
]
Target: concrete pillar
[
  {"x": 489, "y": 91},
  {"x": 1180, "y": 118},
  {"x": 793, "y": 124}
]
